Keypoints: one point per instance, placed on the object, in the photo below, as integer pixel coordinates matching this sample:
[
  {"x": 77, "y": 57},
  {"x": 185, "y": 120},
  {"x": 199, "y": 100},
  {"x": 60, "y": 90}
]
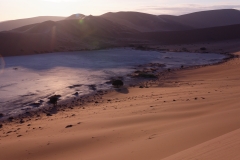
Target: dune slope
[
  {"x": 144, "y": 22},
  {"x": 188, "y": 114},
  {"x": 207, "y": 19},
  {"x": 12, "y": 24}
]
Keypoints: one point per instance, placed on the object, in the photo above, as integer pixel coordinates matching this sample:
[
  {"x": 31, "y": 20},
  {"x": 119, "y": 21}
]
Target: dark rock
[
  {"x": 92, "y": 87},
  {"x": 53, "y": 99},
  {"x": 48, "y": 114},
  {"x": 76, "y": 94},
  {"x": 1, "y": 125},
  {"x": 22, "y": 121},
  {"x": 68, "y": 126},
  {"x": 10, "y": 118},
  {"x": 117, "y": 83},
  {"x": 1, "y": 115},
  {"x": 147, "y": 75}
]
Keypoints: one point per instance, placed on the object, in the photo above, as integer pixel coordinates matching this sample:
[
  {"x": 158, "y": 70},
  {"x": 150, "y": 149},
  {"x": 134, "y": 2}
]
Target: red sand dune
[
  {"x": 144, "y": 22},
  {"x": 117, "y": 29},
  {"x": 207, "y": 35},
  {"x": 206, "y": 19},
  {"x": 12, "y": 24}
]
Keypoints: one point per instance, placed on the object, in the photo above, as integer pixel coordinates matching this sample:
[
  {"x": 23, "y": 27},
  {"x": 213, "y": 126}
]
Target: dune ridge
[{"x": 121, "y": 29}]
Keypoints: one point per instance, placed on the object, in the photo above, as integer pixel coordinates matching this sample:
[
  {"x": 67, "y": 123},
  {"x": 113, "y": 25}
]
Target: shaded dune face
[
  {"x": 79, "y": 32},
  {"x": 206, "y": 19},
  {"x": 64, "y": 35},
  {"x": 13, "y": 24},
  {"x": 207, "y": 35},
  {"x": 144, "y": 22}
]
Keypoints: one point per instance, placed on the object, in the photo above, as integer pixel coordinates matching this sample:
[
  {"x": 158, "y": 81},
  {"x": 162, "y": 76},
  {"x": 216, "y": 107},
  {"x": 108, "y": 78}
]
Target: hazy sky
[{"x": 16, "y": 9}]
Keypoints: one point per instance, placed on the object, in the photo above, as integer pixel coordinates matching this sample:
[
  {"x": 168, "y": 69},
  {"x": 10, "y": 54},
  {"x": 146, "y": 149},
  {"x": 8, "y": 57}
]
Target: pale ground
[{"x": 192, "y": 114}]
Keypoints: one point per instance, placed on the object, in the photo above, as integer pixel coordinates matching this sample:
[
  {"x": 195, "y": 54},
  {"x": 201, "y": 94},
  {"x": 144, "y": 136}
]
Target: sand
[{"x": 189, "y": 114}]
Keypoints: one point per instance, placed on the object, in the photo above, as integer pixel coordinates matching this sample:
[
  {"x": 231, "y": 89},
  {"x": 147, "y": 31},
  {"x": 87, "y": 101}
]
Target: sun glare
[{"x": 2, "y": 64}]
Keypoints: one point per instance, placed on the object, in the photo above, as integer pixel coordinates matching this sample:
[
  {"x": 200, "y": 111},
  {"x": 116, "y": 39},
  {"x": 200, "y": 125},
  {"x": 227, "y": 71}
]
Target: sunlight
[
  {"x": 53, "y": 37},
  {"x": 2, "y": 64}
]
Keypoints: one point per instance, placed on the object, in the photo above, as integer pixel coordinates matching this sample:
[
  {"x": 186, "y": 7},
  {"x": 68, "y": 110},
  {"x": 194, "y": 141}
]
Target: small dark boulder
[
  {"x": 1, "y": 125},
  {"x": 1, "y": 115},
  {"x": 48, "y": 114},
  {"x": 10, "y": 118},
  {"x": 68, "y": 126},
  {"x": 147, "y": 75},
  {"x": 76, "y": 94},
  {"x": 117, "y": 83},
  {"x": 53, "y": 99},
  {"x": 21, "y": 121}
]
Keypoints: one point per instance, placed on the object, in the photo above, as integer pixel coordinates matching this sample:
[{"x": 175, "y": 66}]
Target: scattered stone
[
  {"x": 19, "y": 136},
  {"x": 68, "y": 126},
  {"x": 96, "y": 102},
  {"x": 1, "y": 125},
  {"x": 76, "y": 94},
  {"x": 195, "y": 98},
  {"x": 10, "y": 118},
  {"x": 140, "y": 86},
  {"x": 53, "y": 99},
  {"x": 117, "y": 83},
  {"x": 21, "y": 121},
  {"x": 1, "y": 115},
  {"x": 48, "y": 114}
]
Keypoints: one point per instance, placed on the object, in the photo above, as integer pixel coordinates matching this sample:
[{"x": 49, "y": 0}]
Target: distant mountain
[
  {"x": 206, "y": 19},
  {"x": 144, "y": 22},
  {"x": 76, "y": 16},
  {"x": 203, "y": 35},
  {"x": 66, "y": 35},
  {"x": 12, "y": 24},
  {"x": 119, "y": 29}
]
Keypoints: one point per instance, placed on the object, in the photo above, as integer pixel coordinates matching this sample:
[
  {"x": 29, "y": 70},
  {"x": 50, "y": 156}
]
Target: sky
[{"x": 17, "y": 9}]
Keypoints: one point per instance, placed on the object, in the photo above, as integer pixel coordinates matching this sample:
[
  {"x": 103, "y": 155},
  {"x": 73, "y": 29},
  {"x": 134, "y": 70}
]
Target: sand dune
[
  {"x": 192, "y": 113},
  {"x": 96, "y": 33},
  {"x": 12, "y": 24},
  {"x": 68, "y": 35},
  {"x": 206, "y": 35},
  {"x": 207, "y": 19},
  {"x": 79, "y": 32},
  {"x": 144, "y": 22}
]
